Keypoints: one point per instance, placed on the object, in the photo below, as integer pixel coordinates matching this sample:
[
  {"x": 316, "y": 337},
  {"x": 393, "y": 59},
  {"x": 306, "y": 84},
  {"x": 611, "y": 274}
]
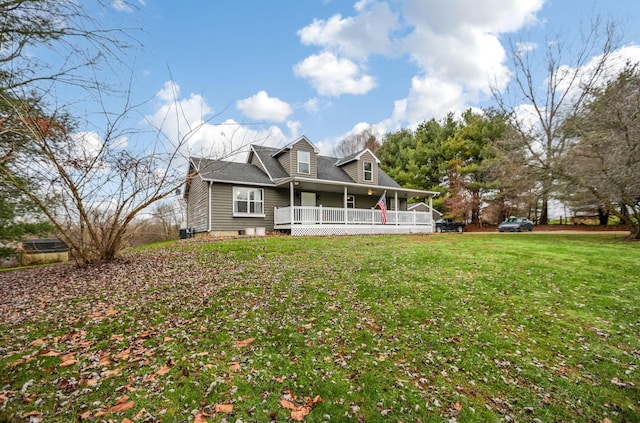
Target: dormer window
[
  {"x": 368, "y": 171},
  {"x": 304, "y": 162}
]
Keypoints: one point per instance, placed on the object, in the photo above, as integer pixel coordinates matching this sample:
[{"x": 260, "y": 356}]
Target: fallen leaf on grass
[
  {"x": 123, "y": 404},
  {"x": 37, "y": 343},
  {"x": 163, "y": 370},
  {"x": 111, "y": 312},
  {"x": 67, "y": 360},
  {"x": 300, "y": 413},
  {"x": 21, "y": 361},
  {"x": 113, "y": 372},
  {"x": 223, "y": 408},
  {"x": 287, "y": 404},
  {"x": 245, "y": 343},
  {"x": 31, "y": 414},
  {"x": 123, "y": 355},
  {"x": 105, "y": 360},
  {"x": 200, "y": 417},
  {"x": 88, "y": 382},
  {"x": 234, "y": 366}
]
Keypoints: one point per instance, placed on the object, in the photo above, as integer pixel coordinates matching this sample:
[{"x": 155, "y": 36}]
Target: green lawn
[{"x": 472, "y": 327}]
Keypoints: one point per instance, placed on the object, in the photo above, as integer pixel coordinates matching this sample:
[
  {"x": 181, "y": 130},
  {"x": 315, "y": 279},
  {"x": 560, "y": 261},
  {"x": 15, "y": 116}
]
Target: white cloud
[
  {"x": 428, "y": 97},
  {"x": 262, "y": 107},
  {"x": 356, "y": 37},
  {"x": 494, "y": 16},
  {"x": 186, "y": 122},
  {"x": 455, "y": 46},
  {"x": 294, "y": 129},
  {"x": 312, "y": 105},
  {"x": 125, "y": 5},
  {"x": 333, "y": 76},
  {"x": 122, "y": 6}
]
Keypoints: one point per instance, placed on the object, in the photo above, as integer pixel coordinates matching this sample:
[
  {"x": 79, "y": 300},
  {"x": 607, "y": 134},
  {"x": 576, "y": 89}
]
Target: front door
[{"x": 308, "y": 199}]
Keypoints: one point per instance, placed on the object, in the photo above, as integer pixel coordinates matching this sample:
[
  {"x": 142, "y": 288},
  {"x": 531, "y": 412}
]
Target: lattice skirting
[{"x": 320, "y": 230}]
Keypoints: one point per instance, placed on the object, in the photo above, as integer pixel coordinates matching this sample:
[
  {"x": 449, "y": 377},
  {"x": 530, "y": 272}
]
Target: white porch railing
[{"x": 284, "y": 218}]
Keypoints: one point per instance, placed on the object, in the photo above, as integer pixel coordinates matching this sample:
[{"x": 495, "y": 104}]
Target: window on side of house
[
  {"x": 304, "y": 162},
  {"x": 368, "y": 171},
  {"x": 351, "y": 201},
  {"x": 248, "y": 202}
]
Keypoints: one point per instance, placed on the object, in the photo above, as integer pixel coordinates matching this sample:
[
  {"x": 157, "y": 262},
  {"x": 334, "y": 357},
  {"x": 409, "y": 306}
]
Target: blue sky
[{"x": 270, "y": 71}]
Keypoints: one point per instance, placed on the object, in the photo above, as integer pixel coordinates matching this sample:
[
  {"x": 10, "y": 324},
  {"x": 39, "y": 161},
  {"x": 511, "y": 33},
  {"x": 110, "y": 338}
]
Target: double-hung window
[
  {"x": 368, "y": 171},
  {"x": 304, "y": 162},
  {"x": 248, "y": 201}
]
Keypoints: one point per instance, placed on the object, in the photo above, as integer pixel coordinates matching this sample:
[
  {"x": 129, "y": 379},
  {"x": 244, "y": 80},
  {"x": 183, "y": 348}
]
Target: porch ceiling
[{"x": 358, "y": 189}]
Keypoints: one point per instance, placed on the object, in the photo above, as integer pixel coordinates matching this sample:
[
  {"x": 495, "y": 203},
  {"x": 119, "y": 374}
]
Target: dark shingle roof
[
  {"x": 270, "y": 163},
  {"x": 217, "y": 170},
  {"x": 385, "y": 180},
  {"x": 328, "y": 170}
]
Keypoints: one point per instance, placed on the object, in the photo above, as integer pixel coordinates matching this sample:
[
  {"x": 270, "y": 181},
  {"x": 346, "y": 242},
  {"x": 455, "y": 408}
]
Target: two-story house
[{"x": 296, "y": 190}]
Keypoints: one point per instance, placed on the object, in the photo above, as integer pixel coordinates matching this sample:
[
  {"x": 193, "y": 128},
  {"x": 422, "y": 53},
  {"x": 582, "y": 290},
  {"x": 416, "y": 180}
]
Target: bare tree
[
  {"x": 89, "y": 183},
  {"x": 74, "y": 38},
  {"x": 540, "y": 107},
  {"x": 605, "y": 153},
  {"x": 355, "y": 143}
]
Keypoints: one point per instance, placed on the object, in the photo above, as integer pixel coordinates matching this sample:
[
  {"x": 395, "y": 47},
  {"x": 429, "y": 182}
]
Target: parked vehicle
[
  {"x": 516, "y": 224},
  {"x": 449, "y": 225}
]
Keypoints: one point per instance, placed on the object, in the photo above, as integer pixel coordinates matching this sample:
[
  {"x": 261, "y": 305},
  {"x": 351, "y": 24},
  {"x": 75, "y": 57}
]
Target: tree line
[
  {"x": 486, "y": 170},
  {"x": 566, "y": 128}
]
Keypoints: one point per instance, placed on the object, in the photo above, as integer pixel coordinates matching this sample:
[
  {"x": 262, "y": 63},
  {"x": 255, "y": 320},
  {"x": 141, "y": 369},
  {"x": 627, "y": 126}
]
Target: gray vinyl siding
[
  {"x": 313, "y": 160},
  {"x": 285, "y": 161},
  {"x": 355, "y": 169},
  {"x": 333, "y": 199},
  {"x": 289, "y": 160},
  {"x": 257, "y": 163},
  {"x": 222, "y": 208},
  {"x": 351, "y": 169},
  {"x": 197, "y": 210}
]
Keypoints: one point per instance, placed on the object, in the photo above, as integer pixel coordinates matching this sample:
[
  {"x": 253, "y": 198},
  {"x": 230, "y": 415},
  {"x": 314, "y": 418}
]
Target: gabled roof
[
  {"x": 294, "y": 142},
  {"x": 355, "y": 156},
  {"x": 247, "y": 173}
]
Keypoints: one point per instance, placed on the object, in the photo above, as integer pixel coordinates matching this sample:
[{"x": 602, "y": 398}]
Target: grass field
[{"x": 472, "y": 327}]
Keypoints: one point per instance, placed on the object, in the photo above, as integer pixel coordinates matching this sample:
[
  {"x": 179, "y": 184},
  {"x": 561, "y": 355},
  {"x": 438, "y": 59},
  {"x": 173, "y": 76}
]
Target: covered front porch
[{"x": 304, "y": 219}]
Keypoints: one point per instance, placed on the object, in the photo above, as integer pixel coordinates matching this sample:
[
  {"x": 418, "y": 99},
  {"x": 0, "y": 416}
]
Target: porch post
[
  {"x": 396, "y": 207},
  {"x": 291, "y": 203},
  {"x": 431, "y": 210},
  {"x": 344, "y": 204}
]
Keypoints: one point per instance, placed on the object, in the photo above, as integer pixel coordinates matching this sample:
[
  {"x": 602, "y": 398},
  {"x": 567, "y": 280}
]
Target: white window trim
[
  {"x": 365, "y": 172},
  {"x": 247, "y": 214},
  {"x": 308, "y": 163}
]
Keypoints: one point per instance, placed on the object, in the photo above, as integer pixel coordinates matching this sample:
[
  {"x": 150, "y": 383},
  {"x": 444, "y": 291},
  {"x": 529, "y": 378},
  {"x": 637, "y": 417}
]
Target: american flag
[{"x": 382, "y": 203}]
